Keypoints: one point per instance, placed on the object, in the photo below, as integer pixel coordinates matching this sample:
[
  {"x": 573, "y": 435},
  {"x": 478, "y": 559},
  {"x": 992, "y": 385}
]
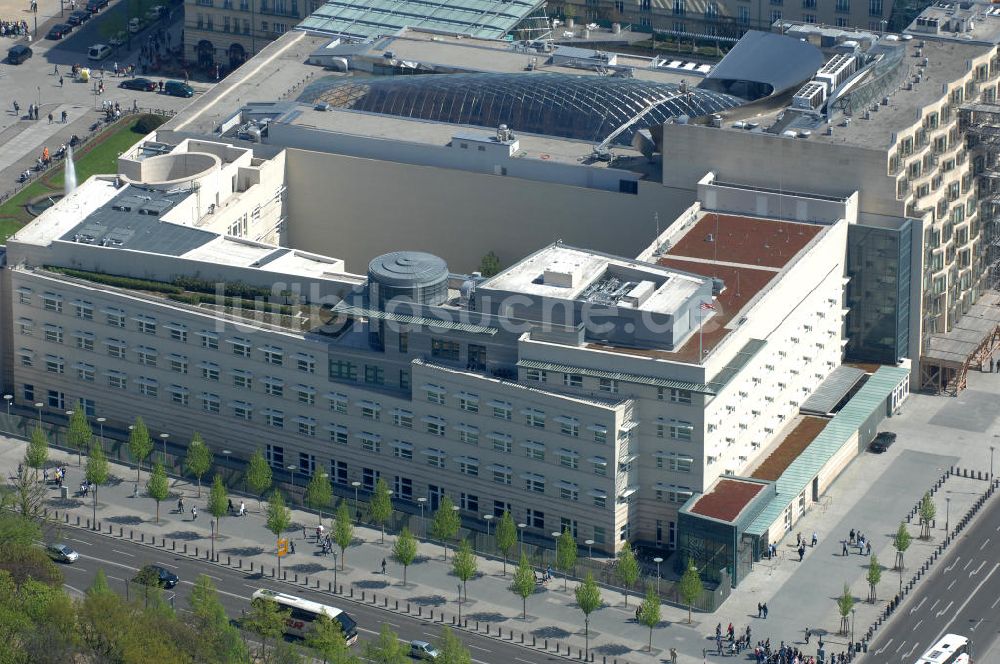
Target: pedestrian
[
  {"x": 637, "y": 611},
  {"x": 17, "y": 109},
  {"x": 50, "y": 118},
  {"x": 64, "y": 117},
  {"x": 765, "y": 610},
  {"x": 815, "y": 539},
  {"x": 291, "y": 543},
  {"x": 55, "y": 70},
  {"x": 868, "y": 548},
  {"x": 243, "y": 508},
  {"x": 60, "y": 81},
  {"x": 383, "y": 567},
  {"x": 802, "y": 551},
  {"x": 194, "y": 512},
  {"x": 673, "y": 656},
  {"x": 844, "y": 552},
  {"x": 759, "y": 609},
  {"x": 161, "y": 86},
  {"x": 798, "y": 539},
  {"x": 807, "y": 635},
  {"x": 135, "y": 490},
  {"x": 229, "y": 509},
  {"x": 852, "y": 535}
]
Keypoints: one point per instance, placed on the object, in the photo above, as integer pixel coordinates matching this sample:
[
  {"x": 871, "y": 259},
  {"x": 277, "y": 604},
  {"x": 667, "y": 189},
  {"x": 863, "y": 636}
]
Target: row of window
[{"x": 605, "y": 385}]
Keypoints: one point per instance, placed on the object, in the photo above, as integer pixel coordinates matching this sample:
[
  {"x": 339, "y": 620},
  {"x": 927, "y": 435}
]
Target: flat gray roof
[
  {"x": 832, "y": 390},
  {"x": 955, "y": 347}
]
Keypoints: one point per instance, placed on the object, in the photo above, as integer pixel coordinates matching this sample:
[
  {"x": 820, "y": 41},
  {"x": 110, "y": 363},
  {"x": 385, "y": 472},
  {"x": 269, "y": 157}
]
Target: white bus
[
  {"x": 305, "y": 612},
  {"x": 951, "y": 649}
]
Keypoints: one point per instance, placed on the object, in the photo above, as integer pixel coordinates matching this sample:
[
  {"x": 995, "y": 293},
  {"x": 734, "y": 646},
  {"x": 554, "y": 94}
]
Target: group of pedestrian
[
  {"x": 13, "y": 28},
  {"x": 728, "y": 642},
  {"x": 32, "y": 111},
  {"x": 112, "y": 110},
  {"x": 56, "y": 476},
  {"x": 762, "y": 610},
  {"x": 858, "y": 539}
]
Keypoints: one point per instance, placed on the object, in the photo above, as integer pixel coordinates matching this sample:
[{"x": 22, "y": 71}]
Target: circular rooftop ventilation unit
[{"x": 412, "y": 275}]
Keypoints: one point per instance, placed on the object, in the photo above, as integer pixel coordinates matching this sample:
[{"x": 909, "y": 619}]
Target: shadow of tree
[
  {"x": 371, "y": 584},
  {"x": 305, "y": 568},
  {"x": 185, "y": 535},
  {"x": 550, "y": 632},
  {"x": 429, "y": 600},
  {"x": 243, "y": 551},
  {"x": 125, "y": 520},
  {"x": 485, "y": 616},
  {"x": 612, "y": 649},
  {"x": 65, "y": 503}
]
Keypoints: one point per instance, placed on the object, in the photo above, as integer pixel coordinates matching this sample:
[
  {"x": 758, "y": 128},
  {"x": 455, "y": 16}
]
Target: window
[
  {"x": 538, "y": 375},
  {"x": 343, "y": 370},
  {"x": 535, "y": 518},
  {"x": 242, "y": 379},
  {"x": 743, "y": 15},
  {"x": 676, "y": 462},
  {"x": 569, "y": 459},
  {"x": 83, "y": 309},
  {"x": 274, "y": 418},
  {"x": 469, "y": 502},
  {"x": 274, "y": 386},
  {"x": 468, "y": 402},
  {"x": 305, "y": 394},
  {"x": 55, "y": 364},
  {"x": 305, "y": 363},
  {"x": 241, "y": 347},
  {"x": 629, "y": 186},
  {"x": 178, "y": 395},
  {"x": 676, "y": 429},
  {"x": 402, "y": 418},
  {"x": 435, "y": 425},
  {"x": 89, "y": 407},
  {"x": 501, "y": 409},
  {"x": 210, "y": 402},
  {"x": 600, "y": 466},
  {"x": 435, "y": 394},
  {"x": 600, "y": 498},
  {"x": 146, "y": 356},
  {"x": 370, "y": 410},
  {"x": 874, "y": 7},
  {"x": 403, "y": 487},
  {"x": 338, "y": 402},
  {"x": 534, "y": 418},
  {"x": 145, "y": 324},
  {"x": 242, "y": 410},
  {"x": 404, "y": 379},
  {"x": 444, "y": 349},
  {"x": 679, "y": 7},
  {"x": 775, "y": 15},
  {"x": 27, "y": 357},
  {"x": 85, "y": 372},
  {"x": 25, "y": 326},
  {"x": 501, "y": 474},
  {"x": 307, "y": 463},
  {"x": 608, "y": 385},
  {"x": 374, "y": 374},
  {"x": 402, "y": 450},
  {"x": 502, "y": 442},
  {"x": 209, "y": 370},
  {"x": 116, "y": 348},
  {"x": 338, "y": 471},
  {"x": 600, "y": 433},
  {"x": 179, "y": 364},
  {"x": 209, "y": 340},
  {"x": 273, "y": 355},
  {"x": 148, "y": 387},
  {"x": 275, "y": 455},
  {"x": 29, "y": 392},
  {"x": 809, "y": 18},
  {"x": 468, "y": 466},
  {"x": 534, "y": 450},
  {"x": 434, "y": 457},
  {"x": 306, "y": 426},
  {"x": 52, "y": 302},
  {"x": 57, "y": 399},
  {"x": 842, "y": 5},
  {"x": 370, "y": 442},
  {"x": 24, "y": 295},
  {"x": 115, "y": 317},
  {"x": 569, "y": 491},
  {"x": 178, "y": 332},
  {"x": 54, "y": 334},
  {"x": 499, "y": 507},
  {"x": 117, "y": 380},
  {"x": 338, "y": 434},
  {"x": 404, "y": 342},
  {"x": 573, "y": 380},
  {"x": 569, "y": 426},
  {"x": 468, "y": 434},
  {"x": 673, "y": 395},
  {"x": 600, "y": 535}
]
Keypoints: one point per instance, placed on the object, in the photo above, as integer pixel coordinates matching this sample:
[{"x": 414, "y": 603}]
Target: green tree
[
  {"x": 139, "y": 445},
  {"x": 258, "y": 474},
  {"x": 523, "y": 584},
  {"x": 386, "y": 648},
  {"x": 279, "y": 517},
  {"x": 37, "y": 452},
  {"x": 319, "y": 493},
  {"x": 628, "y": 568},
  {"x": 343, "y": 530},
  {"x": 649, "y": 612},
  {"x": 690, "y": 586},
  {"x": 902, "y": 542},
  {"x": 100, "y": 583},
  {"x": 451, "y": 650},
  {"x": 874, "y": 576},
  {"x": 464, "y": 565},
  {"x": 490, "y": 265},
  {"x": 218, "y": 505},
  {"x": 928, "y": 510},
  {"x": 404, "y": 550},
  {"x": 97, "y": 471},
  {"x": 565, "y": 554},
  {"x": 506, "y": 536},
  {"x": 265, "y": 620},
  {"x": 445, "y": 524},
  {"x": 218, "y": 640},
  {"x": 381, "y": 505},
  {"x": 78, "y": 433},
  {"x": 326, "y": 640},
  {"x": 844, "y": 605},
  {"x": 25, "y": 496},
  {"x": 198, "y": 459},
  {"x": 588, "y": 599},
  {"x": 157, "y": 486}
]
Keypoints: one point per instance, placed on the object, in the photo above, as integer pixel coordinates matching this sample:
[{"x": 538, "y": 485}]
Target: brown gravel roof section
[
  {"x": 746, "y": 240},
  {"x": 727, "y": 499},
  {"x": 790, "y": 448}
]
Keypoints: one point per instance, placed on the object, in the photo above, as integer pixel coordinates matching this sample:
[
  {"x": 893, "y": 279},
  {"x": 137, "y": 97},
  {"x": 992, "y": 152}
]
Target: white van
[{"x": 98, "y": 52}]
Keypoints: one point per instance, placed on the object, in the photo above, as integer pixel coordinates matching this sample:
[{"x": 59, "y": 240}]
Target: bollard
[
  {"x": 317, "y": 584},
  {"x": 532, "y": 640},
  {"x": 453, "y": 620},
  {"x": 296, "y": 577},
  {"x": 78, "y": 519},
  {"x": 432, "y": 615},
  {"x": 329, "y": 586},
  {"x": 397, "y": 605},
  {"x": 251, "y": 565},
  {"x": 362, "y": 595},
  {"x": 229, "y": 561},
  {"x": 67, "y": 517},
  {"x": 386, "y": 604},
  {"x": 407, "y": 607},
  {"x": 195, "y": 552},
  {"x": 142, "y": 537},
  {"x": 546, "y": 644},
  {"x": 130, "y": 534},
  {"x": 120, "y": 529},
  {"x": 352, "y": 591},
  {"x": 173, "y": 545},
  {"x": 522, "y": 637},
  {"x": 272, "y": 571},
  {"x": 284, "y": 575}
]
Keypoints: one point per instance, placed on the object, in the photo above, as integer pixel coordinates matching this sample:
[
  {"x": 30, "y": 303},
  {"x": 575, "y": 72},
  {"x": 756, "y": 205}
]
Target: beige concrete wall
[{"x": 356, "y": 209}]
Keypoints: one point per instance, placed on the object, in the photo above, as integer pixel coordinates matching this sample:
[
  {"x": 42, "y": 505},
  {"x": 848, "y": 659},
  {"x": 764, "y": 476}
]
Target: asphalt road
[
  {"x": 122, "y": 559},
  {"x": 961, "y": 596}
]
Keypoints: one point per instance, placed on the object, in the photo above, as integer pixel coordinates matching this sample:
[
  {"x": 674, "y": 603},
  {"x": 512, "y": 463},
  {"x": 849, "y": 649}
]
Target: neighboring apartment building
[
  {"x": 731, "y": 18},
  {"x": 577, "y": 389}
]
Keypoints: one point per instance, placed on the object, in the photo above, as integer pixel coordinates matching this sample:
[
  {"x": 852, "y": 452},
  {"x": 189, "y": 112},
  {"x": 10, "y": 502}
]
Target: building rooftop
[
  {"x": 727, "y": 499},
  {"x": 789, "y": 447},
  {"x": 489, "y": 19},
  {"x": 969, "y": 21}
]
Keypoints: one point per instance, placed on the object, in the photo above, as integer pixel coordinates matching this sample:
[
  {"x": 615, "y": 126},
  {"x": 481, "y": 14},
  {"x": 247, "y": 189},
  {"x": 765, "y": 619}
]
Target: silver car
[
  {"x": 423, "y": 650},
  {"x": 62, "y": 553}
]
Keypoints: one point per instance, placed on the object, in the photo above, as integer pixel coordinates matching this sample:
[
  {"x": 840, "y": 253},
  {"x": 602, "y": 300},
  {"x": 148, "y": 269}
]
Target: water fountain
[{"x": 69, "y": 179}]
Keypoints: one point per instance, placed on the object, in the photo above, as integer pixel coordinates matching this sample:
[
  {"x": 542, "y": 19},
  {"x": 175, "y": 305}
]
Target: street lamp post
[
  {"x": 8, "y": 398},
  {"x": 100, "y": 422},
  {"x": 211, "y": 523},
  {"x": 291, "y": 471},
  {"x": 947, "y": 515},
  {"x": 335, "y": 572},
  {"x": 39, "y": 405},
  {"x": 853, "y": 611},
  {"x": 357, "y": 512},
  {"x": 423, "y": 524},
  {"x": 991, "y": 462},
  {"x": 487, "y": 518},
  {"x": 460, "y": 605},
  {"x": 590, "y": 548},
  {"x": 69, "y": 416},
  {"x": 520, "y": 539},
  {"x": 163, "y": 437},
  {"x": 657, "y": 560}
]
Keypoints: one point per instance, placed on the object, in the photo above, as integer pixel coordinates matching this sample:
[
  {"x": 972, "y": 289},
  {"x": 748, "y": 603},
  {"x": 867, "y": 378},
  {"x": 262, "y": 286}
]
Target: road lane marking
[
  {"x": 966, "y": 602},
  {"x": 967, "y": 565},
  {"x": 74, "y": 589},
  {"x": 984, "y": 544},
  {"x": 883, "y": 648},
  {"x": 115, "y": 578},
  {"x": 523, "y": 660},
  {"x": 978, "y": 623},
  {"x": 73, "y": 539},
  {"x": 953, "y": 582},
  {"x": 934, "y": 604},
  {"x": 110, "y": 562},
  {"x": 943, "y": 611},
  {"x": 995, "y": 603},
  {"x": 130, "y": 555},
  {"x": 918, "y": 624},
  {"x": 478, "y": 648},
  {"x": 169, "y": 565},
  {"x": 952, "y": 566},
  {"x": 917, "y": 607},
  {"x": 910, "y": 653},
  {"x": 900, "y": 647},
  {"x": 978, "y": 569}
]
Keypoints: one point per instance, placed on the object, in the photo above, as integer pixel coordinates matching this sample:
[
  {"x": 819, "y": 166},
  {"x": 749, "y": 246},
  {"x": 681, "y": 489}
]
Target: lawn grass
[{"x": 99, "y": 156}]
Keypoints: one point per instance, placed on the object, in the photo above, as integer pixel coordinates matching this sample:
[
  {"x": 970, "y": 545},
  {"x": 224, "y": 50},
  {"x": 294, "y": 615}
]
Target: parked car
[
  {"x": 156, "y": 575},
  {"x": 423, "y": 650},
  {"x": 94, "y": 6},
  {"x": 98, "y": 52},
  {"x": 59, "y": 30},
  {"x": 62, "y": 553},
  {"x": 178, "y": 89},
  {"x": 156, "y": 12},
  {"x": 143, "y": 84},
  {"x": 78, "y": 17},
  {"x": 135, "y": 25},
  {"x": 18, "y": 53},
  {"x": 882, "y": 442},
  {"x": 119, "y": 39}
]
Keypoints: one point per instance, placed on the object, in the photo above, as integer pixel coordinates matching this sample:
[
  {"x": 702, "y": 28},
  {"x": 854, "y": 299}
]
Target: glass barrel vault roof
[
  {"x": 485, "y": 19},
  {"x": 586, "y": 108}
]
